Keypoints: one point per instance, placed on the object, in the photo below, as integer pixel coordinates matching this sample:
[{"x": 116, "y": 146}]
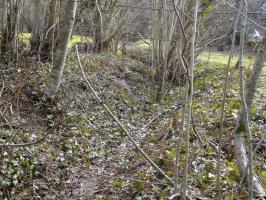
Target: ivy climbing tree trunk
[{"x": 61, "y": 49}]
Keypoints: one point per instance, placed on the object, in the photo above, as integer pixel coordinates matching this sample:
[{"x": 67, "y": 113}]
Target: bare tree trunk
[
  {"x": 159, "y": 26},
  {"x": 241, "y": 124},
  {"x": 191, "y": 74},
  {"x": 15, "y": 45},
  {"x": 223, "y": 104},
  {"x": 4, "y": 27},
  {"x": 37, "y": 34},
  {"x": 106, "y": 43},
  {"x": 239, "y": 144},
  {"x": 44, "y": 29},
  {"x": 9, "y": 35},
  {"x": 98, "y": 37},
  {"x": 61, "y": 49},
  {"x": 2, "y": 10},
  {"x": 244, "y": 105},
  {"x": 50, "y": 39},
  {"x": 161, "y": 65}
]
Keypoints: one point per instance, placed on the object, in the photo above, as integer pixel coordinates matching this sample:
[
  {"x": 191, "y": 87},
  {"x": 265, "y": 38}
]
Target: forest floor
[{"x": 85, "y": 155}]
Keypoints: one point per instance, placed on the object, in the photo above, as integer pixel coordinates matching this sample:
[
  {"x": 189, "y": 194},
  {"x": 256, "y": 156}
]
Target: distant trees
[
  {"x": 168, "y": 43},
  {"x": 110, "y": 25},
  {"x": 39, "y": 17},
  {"x": 170, "y": 37},
  {"x": 38, "y": 26},
  {"x": 11, "y": 19},
  {"x": 45, "y": 26},
  {"x": 163, "y": 27},
  {"x": 52, "y": 29}
]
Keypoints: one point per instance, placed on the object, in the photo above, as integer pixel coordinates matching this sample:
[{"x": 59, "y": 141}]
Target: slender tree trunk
[
  {"x": 98, "y": 37},
  {"x": 239, "y": 144},
  {"x": 38, "y": 26},
  {"x": 244, "y": 105},
  {"x": 61, "y": 49},
  {"x": 4, "y": 27},
  {"x": 223, "y": 105},
  {"x": 9, "y": 35},
  {"x": 50, "y": 40},
  {"x": 43, "y": 29},
  {"x": 192, "y": 66},
  {"x": 159, "y": 34},
  {"x": 180, "y": 139},
  {"x": 3, "y": 10}
]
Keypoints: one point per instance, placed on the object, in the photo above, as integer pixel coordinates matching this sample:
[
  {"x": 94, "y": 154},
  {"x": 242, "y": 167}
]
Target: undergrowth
[{"x": 86, "y": 155}]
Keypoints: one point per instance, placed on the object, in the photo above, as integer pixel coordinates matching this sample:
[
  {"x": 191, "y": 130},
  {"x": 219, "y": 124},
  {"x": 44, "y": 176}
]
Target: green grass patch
[
  {"x": 25, "y": 37},
  {"x": 214, "y": 57},
  {"x": 140, "y": 45},
  {"x": 222, "y": 58},
  {"x": 79, "y": 39}
]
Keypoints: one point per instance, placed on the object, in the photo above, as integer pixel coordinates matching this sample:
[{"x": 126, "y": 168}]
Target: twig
[
  {"x": 2, "y": 89},
  {"x": 143, "y": 39},
  {"x": 7, "y": 122},
  {"x": 179, "y": 21},
  {"x": 153, "y": 164},
  {"x": 178, "y": 195},
  {"x": 25, "y": 144},
  {"x": 47, "y": 32},
  {"x": 10, "y": 126},
  {"x": 260, "y": 141},
  {"x": 151, "y": 121},
  {"x": 223, "y": 108},
  {"x": 196, "y": 133},
  {"x": 190, "y": 100}
]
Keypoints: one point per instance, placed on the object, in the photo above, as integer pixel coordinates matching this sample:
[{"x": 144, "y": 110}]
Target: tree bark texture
[{"x": 61, "y": 49}]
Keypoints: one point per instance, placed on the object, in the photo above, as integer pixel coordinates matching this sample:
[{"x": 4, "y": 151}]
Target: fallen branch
[
  {"x": 151, "y": 121},
  {"x": 2, "y": 89},
  {"x": 26, "y": 144},
  {"x": 153, "y": 164}
]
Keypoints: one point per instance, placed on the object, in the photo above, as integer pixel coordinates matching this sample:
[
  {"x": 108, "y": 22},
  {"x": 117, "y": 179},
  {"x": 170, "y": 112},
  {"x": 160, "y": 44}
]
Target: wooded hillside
[{"x": 132, "y": 99}]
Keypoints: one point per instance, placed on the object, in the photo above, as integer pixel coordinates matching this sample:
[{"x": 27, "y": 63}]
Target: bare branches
[
  {"x": 26, "y": 144},
  {"x": 180, "y": 21},
  {"x": 244, "y": 15}
]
